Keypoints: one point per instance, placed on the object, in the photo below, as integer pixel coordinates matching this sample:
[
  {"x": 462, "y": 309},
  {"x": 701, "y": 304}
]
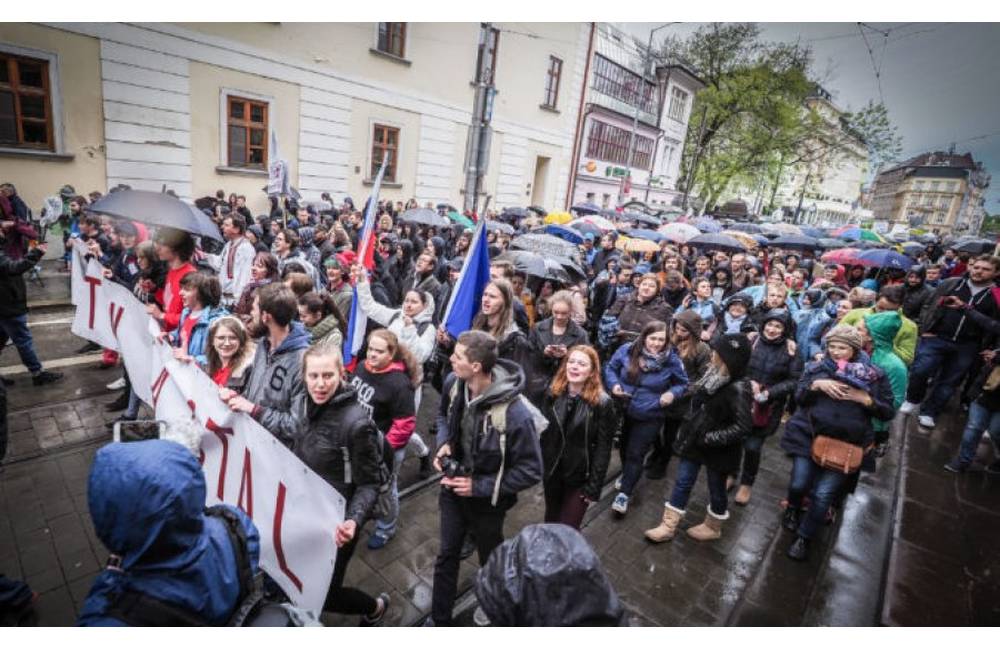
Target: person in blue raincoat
[
  {"x": 811, "y": 322},
  {"x": 147, "y": 502}
]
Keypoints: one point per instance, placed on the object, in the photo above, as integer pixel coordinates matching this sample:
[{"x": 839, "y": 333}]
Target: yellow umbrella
[
  {"x": 636, "y": 245},
  {"x": 742, "y": 238},
  {"x": 561, "y": 218}
]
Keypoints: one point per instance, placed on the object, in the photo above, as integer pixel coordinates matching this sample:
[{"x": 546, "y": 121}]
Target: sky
[{"x": 940, "y": 81}]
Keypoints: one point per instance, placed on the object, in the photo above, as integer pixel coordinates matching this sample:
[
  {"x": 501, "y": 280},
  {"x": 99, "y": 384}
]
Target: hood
[
  {"x": 307, "y": 234},
  {"x": 920, "y": 271},
  {"x": 783, "y": 317},
  {"x": 548, "y": 575},
  {"x": 322, "y": 328},
  {"x": 147, "y": 500},
  {"x": 816, "y": 298},
  {"x": 428, "y": 312},
  {"x": 297, "y": 339},
  {"x": 883, "y": 327},
  {"x": 508, "y": 383},
  {"x": 438, "y": 244},
  {"x": 725, "y": 269}
]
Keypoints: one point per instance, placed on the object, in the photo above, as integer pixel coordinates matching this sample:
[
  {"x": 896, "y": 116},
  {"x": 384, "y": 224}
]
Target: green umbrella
[{"x": 461, "y": 219}]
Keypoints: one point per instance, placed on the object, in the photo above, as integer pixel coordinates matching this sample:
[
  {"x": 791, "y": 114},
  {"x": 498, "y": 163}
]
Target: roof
[{"x": 938, "y": 159}]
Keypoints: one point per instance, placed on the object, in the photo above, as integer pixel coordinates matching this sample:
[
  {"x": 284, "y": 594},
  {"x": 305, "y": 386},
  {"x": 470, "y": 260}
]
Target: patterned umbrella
[
  {"x": 423, "y": 217},
  {"x": 847, "y": 256},
  {"x": 571, "y": 235},
  {"x": 544, "y": 245},
  {"x": 500, "y": 226},
  {"x": 836, "y": 232},
  {"x": 717, "y": 241},
  {"x": 854, "y": 234},
  {"x": 679, "y": 233},
  {"x": 746, "y": 239}
]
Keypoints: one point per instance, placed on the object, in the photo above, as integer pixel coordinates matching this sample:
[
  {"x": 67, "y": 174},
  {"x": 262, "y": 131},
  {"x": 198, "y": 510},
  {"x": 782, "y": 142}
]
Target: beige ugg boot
[
  {"x": 668, "y": 525},
  {"x": 742, "y": 495},
  {"x": 709, "y": 529}
]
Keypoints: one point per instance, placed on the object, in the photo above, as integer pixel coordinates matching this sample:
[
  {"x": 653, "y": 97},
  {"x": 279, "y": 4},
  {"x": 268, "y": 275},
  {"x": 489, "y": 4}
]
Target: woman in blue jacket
[
  {"x": 201, "y": 294},
  {"x": 837, "y": 396},
  {"x": 649, "y": 375}
]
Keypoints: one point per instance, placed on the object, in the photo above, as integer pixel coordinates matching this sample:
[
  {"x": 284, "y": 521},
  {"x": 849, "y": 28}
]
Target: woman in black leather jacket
[
  {"x": 331, "y": 421},
  {"x": 576, "y": 446}
]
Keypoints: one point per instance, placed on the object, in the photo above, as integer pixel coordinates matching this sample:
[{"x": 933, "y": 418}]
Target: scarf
[
  {"x": 713, "y": 379},
  {"x": 733, "y": 325},
  {"x": 650, "y": 362}
]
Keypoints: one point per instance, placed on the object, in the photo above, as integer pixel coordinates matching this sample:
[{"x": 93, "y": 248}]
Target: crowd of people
[{"x": 695, "y": 353}]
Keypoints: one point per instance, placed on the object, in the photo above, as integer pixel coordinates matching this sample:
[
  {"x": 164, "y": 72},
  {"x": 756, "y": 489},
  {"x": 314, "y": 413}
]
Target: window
[
  {"x": 25, "y": 103},
  {"x": 490, "y": 52},
  {"x": 552, "y": 82},
  {"x": 385, "y": 139},
  {"x": 919, "y": 186},
  {"x": 247, "y": 122},
  {"x": 611, "y": 143},
  {"x": 935, "y": 186},
  {"x": 678, "y": 104},
  {"x": 392, "y": 38},
  {"x": 618, "y": 83}
]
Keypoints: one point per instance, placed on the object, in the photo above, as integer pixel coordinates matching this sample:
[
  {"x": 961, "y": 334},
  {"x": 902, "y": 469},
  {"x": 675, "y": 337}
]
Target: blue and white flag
[{"x": 468, "y": 292}]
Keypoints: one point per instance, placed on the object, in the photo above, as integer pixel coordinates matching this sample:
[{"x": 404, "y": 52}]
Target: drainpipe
[{"x": 580, "y": 117}]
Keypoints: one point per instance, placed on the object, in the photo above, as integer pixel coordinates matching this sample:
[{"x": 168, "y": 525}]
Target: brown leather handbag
[{"x": 837, "y": 455}]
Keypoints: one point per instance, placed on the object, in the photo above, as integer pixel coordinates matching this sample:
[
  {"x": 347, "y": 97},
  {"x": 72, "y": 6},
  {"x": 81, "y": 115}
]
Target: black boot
[
  {"x": 120, "y": 403},
  {"x": 799, "y": 550},
  {"x": 426, "y": 469},
  {"x": 790, "y": 520},
  {"x": 45, "y": 377},
  {"x": 89, "y": 347}
]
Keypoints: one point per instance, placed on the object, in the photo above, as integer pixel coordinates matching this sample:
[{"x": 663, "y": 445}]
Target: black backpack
[{"x": 139, "y": 609}]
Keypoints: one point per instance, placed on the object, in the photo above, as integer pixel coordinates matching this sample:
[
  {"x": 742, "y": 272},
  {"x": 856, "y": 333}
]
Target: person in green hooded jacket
[
  {"x": 881, "y": 330},
  {"x": 890, "y": 298}
]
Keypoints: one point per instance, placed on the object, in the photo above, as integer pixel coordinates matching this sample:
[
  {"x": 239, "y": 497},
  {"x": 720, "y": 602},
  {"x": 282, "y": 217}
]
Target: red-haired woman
[{"x": 576, "y": 446}]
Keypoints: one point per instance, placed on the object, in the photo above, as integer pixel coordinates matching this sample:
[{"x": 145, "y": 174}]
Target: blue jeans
[
  {"x": 387, "y": 527},
  {"x": 944, "y": 361},
  {"x": 751, "y": 459},
  {"x": 980, "y": 419},
  {"x": 825, "y": 486},
  {"x": 687, "y": 474},
  {"x": 15, "y": 328},
  {"x": 641, "y": 436}
]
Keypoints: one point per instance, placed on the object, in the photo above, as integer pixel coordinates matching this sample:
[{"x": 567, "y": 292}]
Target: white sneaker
[
  {"x": 906, "y": 408},
  {"x": 620, "y": 504},
  {"x": 926, "y": 421},
  {"x": 480, "y": 618},
  {"x": 117, "y": 384}
]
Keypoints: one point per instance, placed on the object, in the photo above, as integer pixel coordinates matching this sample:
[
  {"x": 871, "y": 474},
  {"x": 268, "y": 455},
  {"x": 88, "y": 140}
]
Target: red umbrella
[{"x": 847, "y": 256}]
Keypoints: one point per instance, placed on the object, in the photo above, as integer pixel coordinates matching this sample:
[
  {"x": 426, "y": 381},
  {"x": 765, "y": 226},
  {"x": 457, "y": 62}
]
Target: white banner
[{"x": 294, "y": 509}]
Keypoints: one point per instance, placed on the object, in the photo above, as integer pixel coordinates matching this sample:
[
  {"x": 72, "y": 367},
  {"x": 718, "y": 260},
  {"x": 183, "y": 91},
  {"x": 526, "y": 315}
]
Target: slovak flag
[
  {"x": 468, "y": 292},
  {"x": 357, "y": 321}
]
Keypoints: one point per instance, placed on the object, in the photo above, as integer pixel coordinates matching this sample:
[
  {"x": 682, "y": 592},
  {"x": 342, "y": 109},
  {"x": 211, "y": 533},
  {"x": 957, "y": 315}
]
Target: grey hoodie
[{"x": 275, "y": 384}]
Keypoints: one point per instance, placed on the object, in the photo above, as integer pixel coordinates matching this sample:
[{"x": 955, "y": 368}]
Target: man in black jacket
[
  {"x": 490, "y": 454},
  {"x": 949, "y": 338},
  {"x": 14, "y": 313}
]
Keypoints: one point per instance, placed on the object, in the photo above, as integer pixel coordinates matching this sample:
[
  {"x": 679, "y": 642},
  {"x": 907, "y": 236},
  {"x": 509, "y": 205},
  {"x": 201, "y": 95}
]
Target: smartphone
[{"x": 139, "y": 430}]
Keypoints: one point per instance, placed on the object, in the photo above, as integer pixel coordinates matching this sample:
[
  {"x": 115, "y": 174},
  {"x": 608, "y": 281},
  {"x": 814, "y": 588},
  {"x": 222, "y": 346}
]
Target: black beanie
[{"x": 735, "y": 352}]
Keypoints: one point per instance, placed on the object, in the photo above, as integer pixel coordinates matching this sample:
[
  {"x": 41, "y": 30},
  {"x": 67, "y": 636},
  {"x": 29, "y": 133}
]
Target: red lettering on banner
[
  {"x": 115, "y": 319},
  {"x": 220, "y": 433},
  {"x": 93, "y": 282},
  {"x": 279, "y": 513},
  {"x": 192, "y": 406},
  {"x": 158, "y": 385},
  {"x": 201, "y": 456},
  {"x": 246, "y": 486}
]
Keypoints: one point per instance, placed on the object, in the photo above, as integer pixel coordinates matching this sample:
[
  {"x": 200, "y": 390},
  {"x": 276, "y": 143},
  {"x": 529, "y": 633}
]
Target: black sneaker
[
  {"x": 993, "y": 468},
  {"x": 120, "y": 403},
  {"x": 955, "y": 467},
  {"x": 89, "y": 347},
  {"x": 46, "y": 377},
  {"x": 799, "y": 550},
  {"x": 426, "y": 468},
  {"x": 375, "y": 619},
  {"x": 790, "y": 520}
]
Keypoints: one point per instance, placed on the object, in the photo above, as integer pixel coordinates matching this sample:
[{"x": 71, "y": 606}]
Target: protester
[
  {"x": 550, "y": 341},
  {"x": 263, "y": 271},
  {"x": 233, "y": 264},
  {"x": 413, "y": 323},
  {"x": 337, "y": 439},
  {"x": 229, "y": 354},
  {"x": 635, "y": 311},
  {"x": 175, "y": 248},
  {"x": 576, "y": 445},
  {"x": 890, "y": 298},
  {"x": 14, "y": 311},
  {"x": 648, "y": 375},
  {"x": 318, "y": 313},
  {"x": 490, "y": 454},
  {"x": 200, "y": 294}
]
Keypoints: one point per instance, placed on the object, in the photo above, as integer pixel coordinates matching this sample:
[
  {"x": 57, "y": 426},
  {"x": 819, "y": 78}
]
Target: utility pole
[{"x": 477, "y": 148}]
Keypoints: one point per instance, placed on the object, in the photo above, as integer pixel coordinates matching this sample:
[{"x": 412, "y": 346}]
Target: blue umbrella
[
  {"x": 569, "y": 234},
  {"x": 809, "y": 231},
  {"x": 586, "y": 208},
  {"x": 707, "y": 224},
  {"x": 642, "y": 233},
  {"x": 761, "y": 239},
  {"x": 885, "y": 259}
]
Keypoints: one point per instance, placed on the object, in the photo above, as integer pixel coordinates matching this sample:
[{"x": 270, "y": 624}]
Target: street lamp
[{"x": 635, "y": 117}]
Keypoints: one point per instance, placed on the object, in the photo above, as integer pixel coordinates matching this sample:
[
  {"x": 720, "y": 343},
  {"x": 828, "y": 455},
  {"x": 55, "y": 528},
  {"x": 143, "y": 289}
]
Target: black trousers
[
  {"x": 347, "y": 600},
  {"x": 458, "y": 516}
]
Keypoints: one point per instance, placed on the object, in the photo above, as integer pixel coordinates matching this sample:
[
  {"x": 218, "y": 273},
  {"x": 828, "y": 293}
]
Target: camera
[{"x": 452, "y": 468}]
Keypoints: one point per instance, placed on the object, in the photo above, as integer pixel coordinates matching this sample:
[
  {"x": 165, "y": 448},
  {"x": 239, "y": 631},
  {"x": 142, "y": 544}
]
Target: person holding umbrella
[{"x": 175, "y": 248}]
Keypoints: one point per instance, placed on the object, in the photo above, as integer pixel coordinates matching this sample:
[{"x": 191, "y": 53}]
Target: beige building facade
[{"x": 193, "y": 108}]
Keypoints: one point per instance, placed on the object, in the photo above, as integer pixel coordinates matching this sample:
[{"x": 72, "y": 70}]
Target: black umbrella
[
  {"x": 576, "y": 274},
  {"x": 536, "y": 266},
  {"x": 539, "y": 210},
  {"x": 794, "y": 241},
  {"x": 749, "y": 228},
  {"x": 640, "y": 217},
  {"x": 424, "y": 217},
  {"x": 975, "y": 246},
  {"x": 500, "y": 226},
  {"x": 717, "y": 241},
  {"x": 517, "y": 212},
  {"x": 156, "y": 209},
  {"x": 586, "y": 208},
  {"x": 544, "y": 245}
]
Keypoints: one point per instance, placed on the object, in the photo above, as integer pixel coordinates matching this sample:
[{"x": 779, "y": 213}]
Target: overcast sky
[{"x": 940, "y": 81}]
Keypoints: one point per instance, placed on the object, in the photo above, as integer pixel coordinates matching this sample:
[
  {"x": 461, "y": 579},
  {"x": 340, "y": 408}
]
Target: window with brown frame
[
  {"x": 385, "y": 139},
  {"x": 552, "y": 82},
  {"x": 392, "y": 38},
  {"x": 247, "y": 122},
  {"x": 489, "y": 51},
  {"x": 25, "y": 103},
  {"x": 611, "y": 144}
]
